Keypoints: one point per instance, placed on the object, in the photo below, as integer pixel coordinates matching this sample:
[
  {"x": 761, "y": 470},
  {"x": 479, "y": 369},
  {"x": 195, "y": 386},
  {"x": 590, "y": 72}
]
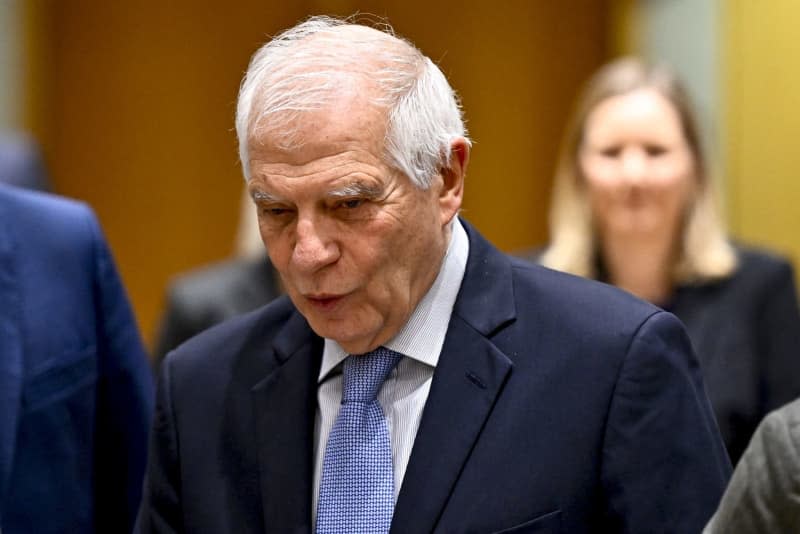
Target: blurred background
[{"x": 133, "y": 102}]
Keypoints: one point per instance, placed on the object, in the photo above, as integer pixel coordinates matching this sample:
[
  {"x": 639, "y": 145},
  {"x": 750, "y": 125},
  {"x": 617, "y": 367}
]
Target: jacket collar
[
  {"x": 468, "y": 379},
  {"x": 285, "y": 403}
]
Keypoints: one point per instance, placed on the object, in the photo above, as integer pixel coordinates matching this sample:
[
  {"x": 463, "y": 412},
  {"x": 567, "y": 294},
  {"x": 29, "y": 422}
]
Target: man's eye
[
  {"x": 351, "y": 203},
  {"x": 275, "y": 211}
]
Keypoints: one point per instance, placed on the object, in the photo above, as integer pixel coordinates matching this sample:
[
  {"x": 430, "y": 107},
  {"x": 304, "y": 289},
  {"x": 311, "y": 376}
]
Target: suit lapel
[
  {"x": 285, "y": 409},
  {"x": 468, "y": 379},
  {"x": 11, "y": 368}
]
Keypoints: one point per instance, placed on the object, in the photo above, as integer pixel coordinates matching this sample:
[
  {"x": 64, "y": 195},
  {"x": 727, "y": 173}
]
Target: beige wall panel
[{"x": 762, "y": 102}]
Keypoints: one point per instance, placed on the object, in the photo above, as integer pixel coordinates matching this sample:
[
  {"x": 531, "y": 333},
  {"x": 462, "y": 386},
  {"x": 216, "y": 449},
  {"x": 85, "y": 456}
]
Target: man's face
[{"x": 357, "y": 245}]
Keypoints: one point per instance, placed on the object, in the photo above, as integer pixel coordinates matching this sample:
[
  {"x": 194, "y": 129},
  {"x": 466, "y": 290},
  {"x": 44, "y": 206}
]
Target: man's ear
[{"x": 452, "y": 193}]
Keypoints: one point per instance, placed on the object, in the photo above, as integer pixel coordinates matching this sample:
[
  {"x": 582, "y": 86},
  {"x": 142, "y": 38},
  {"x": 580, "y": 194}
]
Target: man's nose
[{"x": 314, "y": 246}]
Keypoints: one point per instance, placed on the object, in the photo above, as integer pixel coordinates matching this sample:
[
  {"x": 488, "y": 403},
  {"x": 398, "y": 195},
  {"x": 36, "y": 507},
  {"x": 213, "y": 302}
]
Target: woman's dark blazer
[{"x": 745, "y": 330}]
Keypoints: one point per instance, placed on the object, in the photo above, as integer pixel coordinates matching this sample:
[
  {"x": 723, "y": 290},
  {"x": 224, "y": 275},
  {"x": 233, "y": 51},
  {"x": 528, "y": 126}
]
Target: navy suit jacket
[
  {"x": 745, "y": 330},
  {"x": 558, "y": 405},
  {"x": 76, "y": 390}
]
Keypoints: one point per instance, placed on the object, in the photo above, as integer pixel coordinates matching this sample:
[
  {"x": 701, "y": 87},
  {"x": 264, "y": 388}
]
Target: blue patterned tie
[{"x": 356, "y": 491}]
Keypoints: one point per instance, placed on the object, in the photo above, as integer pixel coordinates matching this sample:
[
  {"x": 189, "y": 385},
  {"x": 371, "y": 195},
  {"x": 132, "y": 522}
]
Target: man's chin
[{"x": 352, "y": 340}]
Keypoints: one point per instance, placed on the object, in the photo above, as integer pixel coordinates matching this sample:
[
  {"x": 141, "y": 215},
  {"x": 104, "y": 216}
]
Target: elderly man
[{"x": 414, "y": 378}]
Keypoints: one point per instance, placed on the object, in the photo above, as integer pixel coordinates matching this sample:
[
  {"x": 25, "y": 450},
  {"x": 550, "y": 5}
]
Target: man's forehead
[
  {"x": 349, "y": 122},
  {"x": 352, "y": 96}
]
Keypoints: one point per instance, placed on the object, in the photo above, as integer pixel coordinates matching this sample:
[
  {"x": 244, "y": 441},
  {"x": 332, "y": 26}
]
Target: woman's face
[{"x": 638, "y": 167}]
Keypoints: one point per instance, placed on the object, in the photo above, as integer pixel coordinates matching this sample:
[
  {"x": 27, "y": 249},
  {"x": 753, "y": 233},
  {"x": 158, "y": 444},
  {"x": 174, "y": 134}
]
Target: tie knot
[{"x": 364, "y": 374}]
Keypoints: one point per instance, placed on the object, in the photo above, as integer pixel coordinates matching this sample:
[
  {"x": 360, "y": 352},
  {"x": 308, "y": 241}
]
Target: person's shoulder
[
  {"x": 43, "y": 218},
  {"x": 784, "y": 421},
  {"x": 220, "y": 344},
  {"x": 40, "y": 204},
  {"x": 560, "y": 289},
  {"x": 218, "y": 274},
  {"x": 555, "y": 301},
  {"x": 773, "y": 454},
  {"x": 760, "y": 262},
  {"x": 242, "y": 350},
  {"x": 531, "y": 254},
  {"x": 46, "y": 213},
  {"x": 220, "y": 283},
  {"x": 590, "y": 318},
  {"x": 763, "y": 492},
  {"x": 21, "y": 162}
]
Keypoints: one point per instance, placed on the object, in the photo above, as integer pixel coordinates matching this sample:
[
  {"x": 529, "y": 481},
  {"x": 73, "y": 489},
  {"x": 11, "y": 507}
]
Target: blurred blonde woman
[{"x": 634, "y": 205}]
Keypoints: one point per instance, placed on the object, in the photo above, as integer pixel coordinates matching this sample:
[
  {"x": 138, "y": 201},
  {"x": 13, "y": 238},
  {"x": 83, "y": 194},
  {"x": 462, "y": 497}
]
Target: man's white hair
[{"x": 312, "y": 64}]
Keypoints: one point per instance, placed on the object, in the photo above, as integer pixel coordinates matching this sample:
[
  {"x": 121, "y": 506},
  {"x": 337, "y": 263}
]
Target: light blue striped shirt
[{"x": 404, "y": 393}]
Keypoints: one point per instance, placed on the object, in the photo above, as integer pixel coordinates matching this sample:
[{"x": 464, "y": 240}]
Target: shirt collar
[{"x": 422, "y": 337}]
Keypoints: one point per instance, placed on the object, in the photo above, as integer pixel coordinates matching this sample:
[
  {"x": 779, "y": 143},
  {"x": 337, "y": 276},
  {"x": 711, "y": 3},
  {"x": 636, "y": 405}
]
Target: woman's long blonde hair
[{"x": 703, "y": 254}]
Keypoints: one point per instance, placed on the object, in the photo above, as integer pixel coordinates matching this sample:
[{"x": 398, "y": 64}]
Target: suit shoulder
[
  {"x": 24, "y": 200},
  {"x": 47, "y": 225},
  {"x": 785, "y": 419},
  {"x": 759, "y": 275},
  {"x": 531, "y": 254},
  {"x": 44, "y": 211},
  {"x": 242, "y": 350},
  {"x": 574, "y": 313},
  {"x": 755, "y": 262},
  {"x": 21, "y": 162},
  {"x": 227, "y": 339},
  {"x": 566, "y": 293}
]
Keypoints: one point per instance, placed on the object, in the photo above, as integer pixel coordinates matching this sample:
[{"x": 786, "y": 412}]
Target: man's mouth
[{"x": 324, "y": 301}]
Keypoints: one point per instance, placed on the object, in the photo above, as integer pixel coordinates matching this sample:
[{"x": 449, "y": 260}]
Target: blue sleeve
[{"x": 664, "y": 464}]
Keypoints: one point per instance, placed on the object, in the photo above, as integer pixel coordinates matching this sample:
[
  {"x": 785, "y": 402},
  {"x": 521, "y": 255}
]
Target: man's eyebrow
[
  {"x": 262, "y": 196},
  {"x": 357, "y": 189}
]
